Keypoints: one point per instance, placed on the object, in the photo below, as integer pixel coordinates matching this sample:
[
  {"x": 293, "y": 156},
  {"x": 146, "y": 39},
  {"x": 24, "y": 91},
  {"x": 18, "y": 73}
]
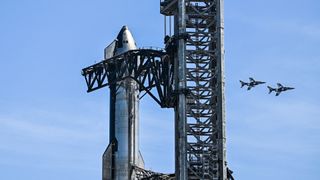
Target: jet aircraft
[
  {"x": 279, "y": 89},
  {"x": 251, "y": 84}
]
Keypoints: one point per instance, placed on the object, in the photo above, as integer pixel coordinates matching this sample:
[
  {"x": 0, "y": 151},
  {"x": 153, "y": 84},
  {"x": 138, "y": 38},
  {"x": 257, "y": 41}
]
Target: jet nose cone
[{"x": 125, "y": 28}]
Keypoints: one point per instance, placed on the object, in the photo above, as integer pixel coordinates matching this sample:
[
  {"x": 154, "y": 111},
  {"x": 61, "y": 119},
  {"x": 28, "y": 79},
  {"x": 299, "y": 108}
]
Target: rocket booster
[{"x": 123, "y": 151}]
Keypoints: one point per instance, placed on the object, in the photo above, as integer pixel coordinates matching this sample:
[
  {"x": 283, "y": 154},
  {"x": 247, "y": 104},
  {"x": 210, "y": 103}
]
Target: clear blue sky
[{"x": 50, "y": 128}]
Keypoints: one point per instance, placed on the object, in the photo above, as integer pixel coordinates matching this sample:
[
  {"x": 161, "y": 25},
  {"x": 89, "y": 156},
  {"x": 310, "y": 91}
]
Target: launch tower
[
  {"x": 189, "y": 77},
  {"x": 199, "y": 83}
]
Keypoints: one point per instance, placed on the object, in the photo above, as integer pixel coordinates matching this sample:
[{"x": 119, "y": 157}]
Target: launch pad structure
[{"x": 188, "y": 77}]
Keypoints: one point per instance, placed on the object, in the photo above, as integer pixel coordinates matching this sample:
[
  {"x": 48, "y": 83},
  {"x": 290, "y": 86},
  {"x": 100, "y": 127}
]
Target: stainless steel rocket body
[
  {"x": 126, "y": 127},
  {"x": 118, "y": 163}
]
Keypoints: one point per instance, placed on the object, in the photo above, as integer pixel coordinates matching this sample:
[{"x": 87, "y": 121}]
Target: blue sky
[{"x": 50, "y": 128}]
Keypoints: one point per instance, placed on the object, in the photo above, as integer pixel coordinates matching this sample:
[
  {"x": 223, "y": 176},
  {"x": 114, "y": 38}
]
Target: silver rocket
[{"x": 122, "y": 153}]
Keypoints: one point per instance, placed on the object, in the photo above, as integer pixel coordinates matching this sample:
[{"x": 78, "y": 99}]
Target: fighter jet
[
  {"x": 279, "y": 89},
  {"x": 251, "y": 84}
]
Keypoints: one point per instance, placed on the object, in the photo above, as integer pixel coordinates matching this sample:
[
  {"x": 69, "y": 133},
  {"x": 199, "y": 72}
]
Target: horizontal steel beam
[{"x": 150, "y": 68}]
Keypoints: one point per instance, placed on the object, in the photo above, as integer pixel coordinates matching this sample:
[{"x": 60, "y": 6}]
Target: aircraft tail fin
[
  {"x": 270, "y": 89},
  {"x": 242, "y": 83}
]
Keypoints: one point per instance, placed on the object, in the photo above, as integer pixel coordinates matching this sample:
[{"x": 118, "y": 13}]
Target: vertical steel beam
[
  {"x": 112, "y": 138},
  {"x": 199, "y": 83},
  {"x": 181, "y": 135},
  {"x": 112, "y": 113},
  {"x": 221, "y": 87}
]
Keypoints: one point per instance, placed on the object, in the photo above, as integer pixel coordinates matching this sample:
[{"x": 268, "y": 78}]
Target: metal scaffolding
[
  {"x": 189, "y": 77},
  {"x": 153, "y": 71},
  {"x": 149, "y": 68},
  {"x": 199, "y": 82}
]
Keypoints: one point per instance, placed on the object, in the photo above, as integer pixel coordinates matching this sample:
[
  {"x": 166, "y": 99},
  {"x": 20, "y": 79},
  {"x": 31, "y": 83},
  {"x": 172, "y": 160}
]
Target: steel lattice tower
[
  {"x": 189, "y": 77},
  {"x": 199, "y": 83}
]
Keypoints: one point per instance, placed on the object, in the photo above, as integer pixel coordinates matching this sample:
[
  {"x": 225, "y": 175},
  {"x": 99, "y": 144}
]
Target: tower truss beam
[
  {"x": 150, "y": 68},
  {"x": 200, "y": 72}
]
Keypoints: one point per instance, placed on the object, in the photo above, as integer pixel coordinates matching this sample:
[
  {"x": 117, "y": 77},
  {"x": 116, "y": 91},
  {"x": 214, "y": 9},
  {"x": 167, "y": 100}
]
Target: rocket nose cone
[
  {"x": 125, "y": 41},
  {"x": 122, "y": 32}
]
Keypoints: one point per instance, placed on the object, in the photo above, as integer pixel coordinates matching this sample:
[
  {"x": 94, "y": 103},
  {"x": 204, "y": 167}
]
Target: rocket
[{"x": 122, "y": 153}]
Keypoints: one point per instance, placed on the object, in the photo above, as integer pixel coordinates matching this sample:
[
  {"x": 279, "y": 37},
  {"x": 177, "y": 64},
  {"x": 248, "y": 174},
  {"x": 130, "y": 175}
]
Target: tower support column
[{"x": 180, "y": 87}]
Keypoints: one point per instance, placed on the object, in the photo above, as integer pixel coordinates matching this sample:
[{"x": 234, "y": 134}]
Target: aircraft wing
[
  {"x": 278, "y": 93},
  {"x": 251, "y": 79},
  {"x": 279, "y": 85}
]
